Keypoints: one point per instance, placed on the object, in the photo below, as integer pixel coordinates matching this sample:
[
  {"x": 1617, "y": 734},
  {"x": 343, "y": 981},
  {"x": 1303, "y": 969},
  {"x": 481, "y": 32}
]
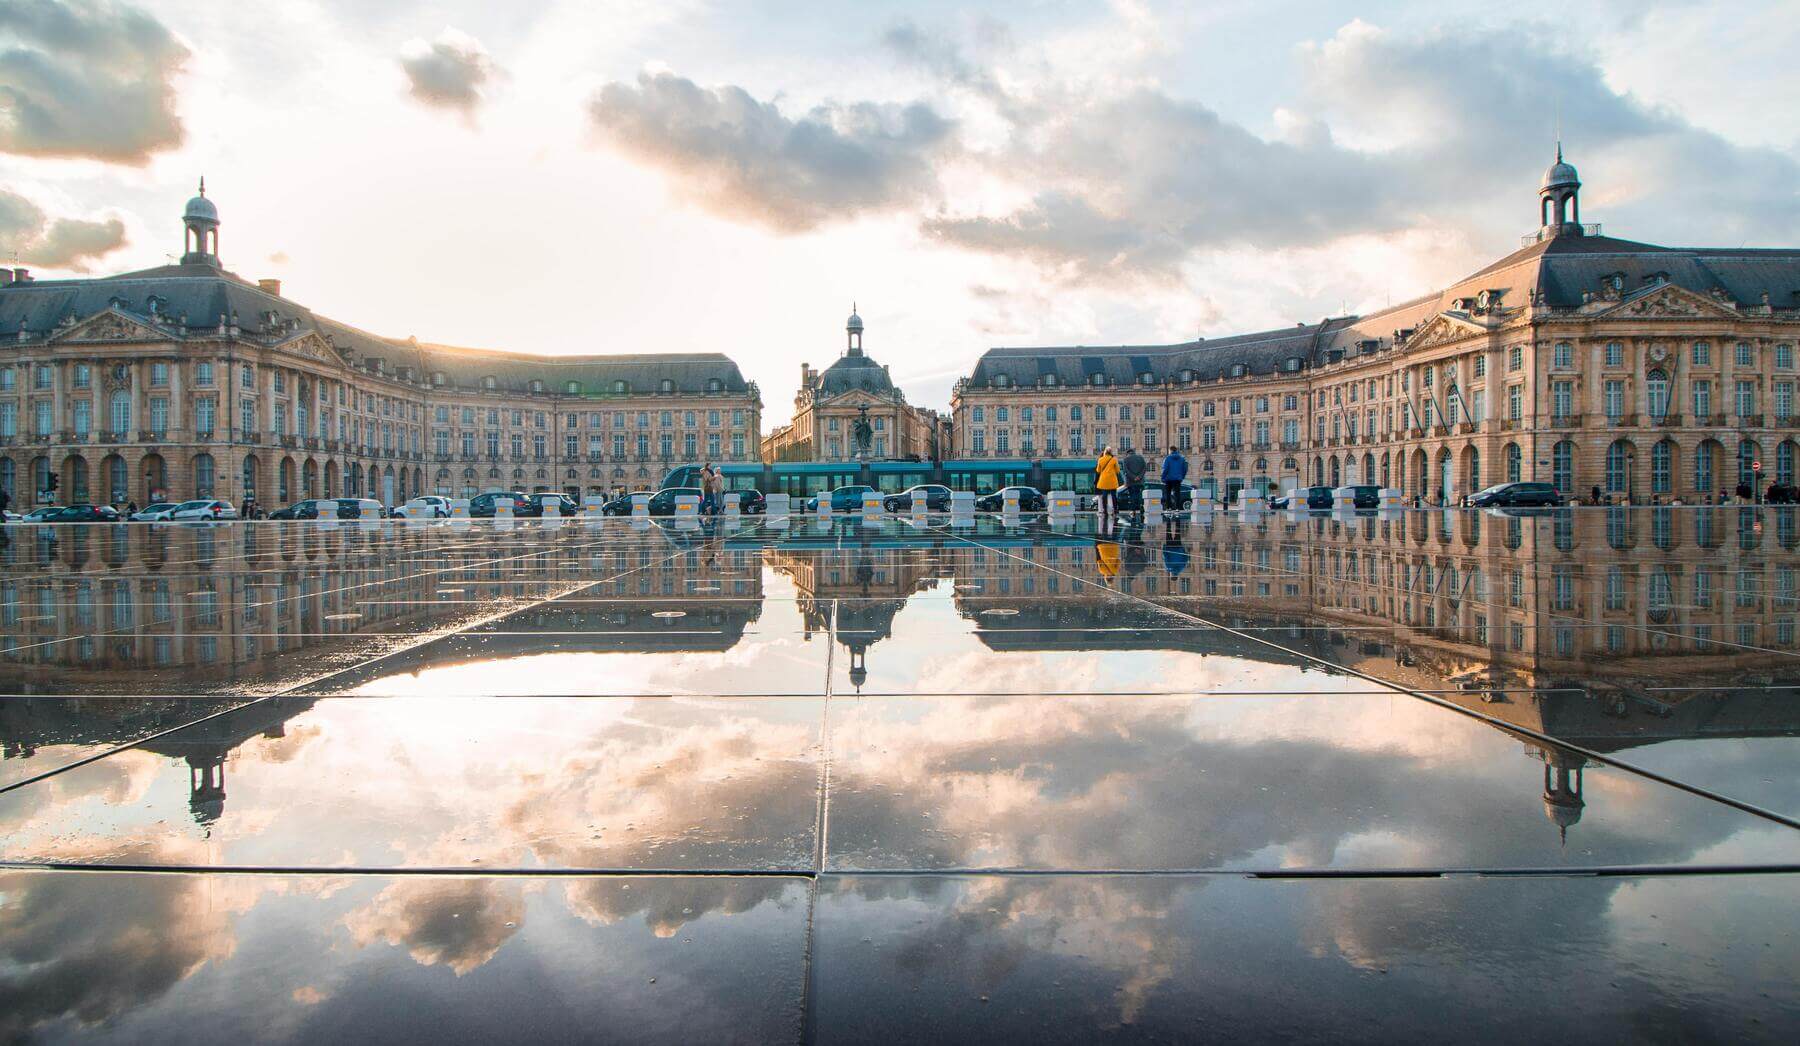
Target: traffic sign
[{"x": 1756, "y": 466}]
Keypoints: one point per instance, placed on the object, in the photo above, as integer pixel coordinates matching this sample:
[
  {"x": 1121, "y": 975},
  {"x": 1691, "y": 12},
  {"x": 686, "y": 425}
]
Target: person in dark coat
[{"x": 1174, "y": 470}]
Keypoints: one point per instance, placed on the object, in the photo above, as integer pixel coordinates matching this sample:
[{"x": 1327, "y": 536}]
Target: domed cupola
[
  {"x": 853, "y": 332},
  {"x": 200, "y": 220},
  {"x": 1559, "y": 198}
]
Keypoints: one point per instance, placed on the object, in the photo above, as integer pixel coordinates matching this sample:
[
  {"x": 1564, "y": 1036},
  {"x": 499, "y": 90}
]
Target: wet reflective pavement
[{"x": 777, "y": 780}]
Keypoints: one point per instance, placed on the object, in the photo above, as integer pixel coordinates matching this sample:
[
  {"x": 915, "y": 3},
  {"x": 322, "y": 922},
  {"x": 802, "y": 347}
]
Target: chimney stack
[
  {"x": 21, "y": 275},
  {"x": 6, "y": 277},
  {"x": 268, "y": 286}
]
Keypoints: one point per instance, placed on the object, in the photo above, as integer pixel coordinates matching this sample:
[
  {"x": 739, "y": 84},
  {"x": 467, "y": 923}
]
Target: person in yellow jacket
[{"x": 1106, "y": 481}]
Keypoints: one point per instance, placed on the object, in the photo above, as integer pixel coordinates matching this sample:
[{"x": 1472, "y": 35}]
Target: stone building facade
[
  {"x": 187, "y": 381},
  {"x": 1652, "y": 373},
  {"x": 830, "y": 402}
]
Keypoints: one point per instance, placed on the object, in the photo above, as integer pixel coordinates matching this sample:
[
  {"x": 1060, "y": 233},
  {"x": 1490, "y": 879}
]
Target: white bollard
[
  {"x": 1392, "y": 500},
  {"x": 503, "y": 508},
  {"x": 1296, "y": 499},
  {"x": 775, "y": 506},
  {"x": 687, "y": 506},
  {"x": 920, "y": 505},
  {"x": 459, "y": 509},
  {"x": 962, "y": 503},
  {"x": 1009, "y": 503},
  {"x": 1062, "y": 503},
  {"x": 824, "y": 504},
  {"x": 1153, "y": 505},
  {"x": 640, "y": 506},
  {"x": 1202, "y": 503},
  {"x": 591, "y": 505},
  {"x": 871, "y": 505},
  {"x": 1251, "y": 501},
  {"x": 552, "y": 509},
  {"x": 732, "y": 505},
  {"x": 1343, "y": 499}
]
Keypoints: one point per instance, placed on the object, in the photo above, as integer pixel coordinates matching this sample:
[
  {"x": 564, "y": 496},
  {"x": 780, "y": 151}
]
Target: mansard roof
[
  {"x": 1555, "y": 272},
  {"x": 193, "y": 299}
]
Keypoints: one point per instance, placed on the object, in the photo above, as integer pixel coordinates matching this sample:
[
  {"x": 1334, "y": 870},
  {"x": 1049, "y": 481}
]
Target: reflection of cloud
[
  {"x": 92, "y": 947},
  {"x": 87, "y": 78},
  {"x": 459, "y": 923}
]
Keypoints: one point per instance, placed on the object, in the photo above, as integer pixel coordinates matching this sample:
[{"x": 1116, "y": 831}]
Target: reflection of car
[
  {"x": 483, "y": 504},
  {"x": 1517, "y": 494},
  {"x": 621, "y": 505},
  {"x": 84, "y": 514},
  {"x": 1030, "y": 500},
  {"x": 426, "y": 506},
  {"x": 1314, "y": 498},
  {"x": 534, "y": 503},
  {"x": 154, "y": 512},
  {"x": 937, "y": 498},
  {"x": 204, "y": 508},
  {"x": 662, "y": 503},
  {"x": 843, "y": 499}
]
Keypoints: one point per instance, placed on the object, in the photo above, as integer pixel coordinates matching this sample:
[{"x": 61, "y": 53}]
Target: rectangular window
[
  {"x": 8, "y": 379},
  {"x": 1746, "y": 398},
  {"x": 159, "y": 374},
  {"x": 1003, "y": 441},
  {"x": 1562, "y": 398},
  {"x": 1784, "y": 399},
  {"x": 1702, "y": 399},
  {"x": 1702, "y": 354},
  {"x": 1515, "y": 402},
  {"x": 159, "y": 414},
  {"x": 84, "y": 376},
  {"x": 280, "y": 419},
  {"x": 1515, "y": 358},
  {"x": 43, "y": 417},
  {"x": 203, "y": 373},
  {"x": 246, "y": 416},
  {"x": 977, "y": 415},
  {"x": 1784, "y": 357},
  {"x": 84, "y": 418},
  {"x": 571, "y": 446},
  {"x": 1746, "y": 356},
  {"x": 1614, "y": 397},
  {"x": 1563, "y": 356},
  {"x": 1615, "y": 354},
  {"x": 247, "y": 376},
  {"x": 41, "y": 377}
]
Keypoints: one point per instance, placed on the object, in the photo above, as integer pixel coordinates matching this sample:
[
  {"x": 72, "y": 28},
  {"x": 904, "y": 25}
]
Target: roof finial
[{"x": 203, "y": 185}]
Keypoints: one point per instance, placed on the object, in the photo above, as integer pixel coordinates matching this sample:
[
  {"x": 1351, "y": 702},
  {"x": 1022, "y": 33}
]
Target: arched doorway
[
  {"x": 1749, "y": 453},
  {"x": 387, "y": 485},
  {"x": 1337, "y": 480},
  {"x": 1562, "y": 467},
  {"x": 1618, "y": 467},
  {"x": 248, "y": 478},
  {"x": 1471, "y": 468},
  {"x": 1662, "y": 467},
  {"x": 331, "y": 480},
  {"x": 309, "y": 479},
  {"x": 1446, "y": 479},
  {"x": 40, "y": 479},
  {"x": 1421, "y": 477},
  {"x": 204, "y": 477},
  {"x": 1515, "y": 463},
  {"x": 284, "y": 480},
  {"x": 1386, "y": 467},
  {"x": 116, "y": 485},
  {"x": 1368, "y": 469},
  {"x": 1784, "y": 461},
  {"x": 353, "y": 481},
  {"x": 75, "y": 480},
  {"x": 1707, "y": 457},
  {"x": 156, "y": 478}
]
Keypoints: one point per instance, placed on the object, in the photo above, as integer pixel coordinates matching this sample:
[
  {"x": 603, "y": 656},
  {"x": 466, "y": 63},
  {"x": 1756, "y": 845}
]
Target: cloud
[
  {"x": 451, "y": 72},
  {"x": 59, "y": 243},
  {"x": 744, "y": 159},
  {"x": 91, "y": 79}
]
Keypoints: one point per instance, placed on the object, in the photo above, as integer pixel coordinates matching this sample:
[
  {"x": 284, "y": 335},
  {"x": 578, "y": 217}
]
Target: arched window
[
  {"x": 1656, "y": 394},
  {"x": 1747, "y": 454},
  {"x": 1706, "y": 467},
  {"x": 203, "y": 475},
  {"x": 1474, "y": 469},
  {"x": 1515, "y": 463},
  {"x": 1562, "y": 467},
  {"x": 1662, "y": 467},
  {"x": 121, "y": 411},
  {"x": 249, "y": 476},
  {"x": 1784, "y": 462},
  {"x": 1618, "y": 467},
  {"x": 9, "y": 477}
]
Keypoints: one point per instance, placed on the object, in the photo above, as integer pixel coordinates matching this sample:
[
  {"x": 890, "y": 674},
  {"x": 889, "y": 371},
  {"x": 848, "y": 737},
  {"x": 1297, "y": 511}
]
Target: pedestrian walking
[
  {"x": 1106, "y": 481},
  {"x": 1174, "y": 470},
  {"x": 1134, "y": 468}
]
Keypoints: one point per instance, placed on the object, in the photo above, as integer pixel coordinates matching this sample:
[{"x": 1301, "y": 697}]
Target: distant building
[
  {"x": 1652, "y": 373},
  {"x": 830, "y": 403},
  {"x": 188, "y": 381}
]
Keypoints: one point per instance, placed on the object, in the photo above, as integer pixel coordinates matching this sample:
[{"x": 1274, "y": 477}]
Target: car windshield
[
  {"x": 158, "y": 506},
  {"x": 193, "y": 504},
  {"x": 1496, "y": 488}
]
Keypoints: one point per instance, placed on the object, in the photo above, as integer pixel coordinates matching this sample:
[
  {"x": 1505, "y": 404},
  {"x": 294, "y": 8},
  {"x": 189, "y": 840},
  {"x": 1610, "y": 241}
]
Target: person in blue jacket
[{"x": 1174, "y": 470}]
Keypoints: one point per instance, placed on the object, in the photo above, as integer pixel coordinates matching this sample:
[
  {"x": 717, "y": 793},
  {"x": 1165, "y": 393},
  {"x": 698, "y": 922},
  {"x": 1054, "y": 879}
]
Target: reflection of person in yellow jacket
[
  {"x": 1106, "y": 554},
  {"x": 1106, "y": 481}
]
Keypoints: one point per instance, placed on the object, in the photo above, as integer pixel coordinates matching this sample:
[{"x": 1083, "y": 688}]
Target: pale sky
[{"x": 673, "y": 175}]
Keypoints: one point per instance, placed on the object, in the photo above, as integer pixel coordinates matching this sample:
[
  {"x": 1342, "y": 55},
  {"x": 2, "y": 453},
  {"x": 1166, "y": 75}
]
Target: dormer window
[
  {"x": 622, "y": 387},
  {"x": 573, "y": 388},
  {"x": 1050, "y": 381},
  {"x": 714, "y": 385},
  {"x": 1615, "y": 282},
  {"x": 1001, "y": 381},
  {"x": 666, "y": 387},
  {"x": 1146, "y": 378},
  {"x": 1238, "y": 370},
  {"x": 490, "y": 382},
  {"x": 438, "y": 379},
  {"x": 1096, "y": 379},
  {"x": 537, "y": 385},
  {"x": 1187, "y": 376}
]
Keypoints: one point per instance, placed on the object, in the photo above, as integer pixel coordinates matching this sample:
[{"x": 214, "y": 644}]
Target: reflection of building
[
  {"x": 186, "y": 380},
  {"x": 1583, "y": 360},
  {"x": 866, "y": 586},
  {"x": 832, "y": 403}
]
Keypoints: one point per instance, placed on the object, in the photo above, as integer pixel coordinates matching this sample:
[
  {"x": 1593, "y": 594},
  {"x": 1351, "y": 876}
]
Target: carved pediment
[
  {"x": 1441, "y": 329},
  {"x": 1669, "y": 302},
  {"x": 110, "y": 326},
  {"x": 312, "y": 346}
]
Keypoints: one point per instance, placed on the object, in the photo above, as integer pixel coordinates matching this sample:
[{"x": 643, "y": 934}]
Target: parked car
[
  {"x": 843, "y": 499},
  {"x": 751, "y": 501},
  {"x": 662, "y": 503},
  {"x": 482, "y": 505},
  {"x": 203, "y": 508},
  {"x": 534, "y": 503},
  {"x": 621, "y": 505},
  {"x": 1316, "y": 499},
  {"x": 332, "y": 508},
  {"x": 1126, "y": 501},
  {"x": 1520, "y": 495},
  {"x": 425, "y": 506},
  {"x": 84, "y": 514},
  {"x": 937, "y": 498},
  {"x": 1364, "y": 495},
  {"x": 155, "y": 512},
  {"x": 40, "y": 515},
  {"x": 1031, "y": 499}
]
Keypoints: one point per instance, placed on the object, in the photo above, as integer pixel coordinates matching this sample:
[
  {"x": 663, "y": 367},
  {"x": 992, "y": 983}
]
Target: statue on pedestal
[{"x": 861, "y": 432}]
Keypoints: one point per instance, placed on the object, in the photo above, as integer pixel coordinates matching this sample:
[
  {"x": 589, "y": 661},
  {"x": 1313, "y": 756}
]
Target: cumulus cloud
[
  {"x": 451, "y": 72},
  {"x": 55, "y": 243},
  {"x": 745, "y": 159},
  {"x": 92, "y": 79}
]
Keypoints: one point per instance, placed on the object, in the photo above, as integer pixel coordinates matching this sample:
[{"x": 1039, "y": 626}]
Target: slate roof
[
  {"x": 198, "y": 294},
  {"x": 855, "y": 372},
  {"x": 1559, "y": 271}
]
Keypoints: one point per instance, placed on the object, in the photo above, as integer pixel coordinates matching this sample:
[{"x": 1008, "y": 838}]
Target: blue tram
[{"x": 982, "y": 475}]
